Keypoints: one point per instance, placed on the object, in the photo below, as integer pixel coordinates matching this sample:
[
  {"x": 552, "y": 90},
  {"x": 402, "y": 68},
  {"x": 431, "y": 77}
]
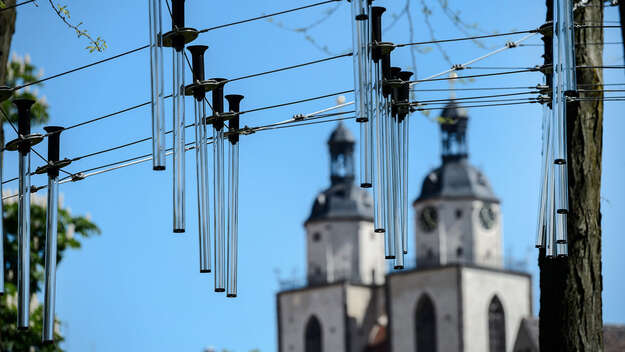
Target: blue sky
[{"x": 137, "y": 286}]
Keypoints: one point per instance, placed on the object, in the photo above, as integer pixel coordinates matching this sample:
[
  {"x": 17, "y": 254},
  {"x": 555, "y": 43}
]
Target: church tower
[
  {"x": 457, "y": 216},
  {"x": 340, "y": 241},
  {"x": 459, "y": 298},
  {"x": 343, "y": 298}
]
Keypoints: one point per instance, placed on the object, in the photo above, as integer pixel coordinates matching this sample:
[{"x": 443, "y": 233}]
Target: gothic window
[
  {"x": 459, "y": 252},
  {"x": 316, "y": 237},
  {"x": 425, "y": 325},
  {"x": 312, "y": 338},
  {"x": 458, "y": 213},
  {"x": 496, "y": 326}
]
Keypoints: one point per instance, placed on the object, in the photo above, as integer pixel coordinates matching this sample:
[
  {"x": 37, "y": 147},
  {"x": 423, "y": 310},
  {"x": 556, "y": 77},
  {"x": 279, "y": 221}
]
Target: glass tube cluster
[
  {"x": 553, "y": 207},
  {"x": 389, "y": 111},
  {"x": 361, "y": 30},
  {"x": 157, "y": 85}
]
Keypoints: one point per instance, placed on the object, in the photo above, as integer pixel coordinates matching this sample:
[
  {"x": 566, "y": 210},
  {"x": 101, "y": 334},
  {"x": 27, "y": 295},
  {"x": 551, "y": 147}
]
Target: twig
[{"x": 96, "y": 44}]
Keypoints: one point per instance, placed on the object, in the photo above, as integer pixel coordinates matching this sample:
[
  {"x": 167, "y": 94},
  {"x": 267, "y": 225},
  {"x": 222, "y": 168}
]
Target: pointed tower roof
[
  {"x": 456, "y": 178},
  {"x": 343, "y": 200}
]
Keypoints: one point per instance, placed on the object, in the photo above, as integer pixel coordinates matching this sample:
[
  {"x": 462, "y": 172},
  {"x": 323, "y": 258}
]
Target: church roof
[
  {"x": 342, "y": 201},
  {"x": 456, "y": 178},
  {"x": 341, "y": 135}
]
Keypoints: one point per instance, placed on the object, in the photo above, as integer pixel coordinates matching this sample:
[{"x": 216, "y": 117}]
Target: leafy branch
[{"x": 98, "y": 43}]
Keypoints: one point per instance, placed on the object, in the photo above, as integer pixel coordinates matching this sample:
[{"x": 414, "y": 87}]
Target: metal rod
[{"x": 157, "y": 85}]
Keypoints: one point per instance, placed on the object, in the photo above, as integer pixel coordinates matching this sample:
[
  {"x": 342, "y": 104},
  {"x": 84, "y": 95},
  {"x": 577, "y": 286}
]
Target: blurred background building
[{"x": 456, "y": 296}]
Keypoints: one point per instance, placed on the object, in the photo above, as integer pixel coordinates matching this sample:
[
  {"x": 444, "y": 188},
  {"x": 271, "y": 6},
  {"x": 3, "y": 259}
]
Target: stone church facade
[{"x": 458, "y": 298}]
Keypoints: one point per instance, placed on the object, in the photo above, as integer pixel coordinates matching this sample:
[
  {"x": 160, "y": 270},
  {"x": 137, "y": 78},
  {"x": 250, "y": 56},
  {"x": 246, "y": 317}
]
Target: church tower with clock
[
  {"x": 456, "y": 297},
  {"x": 458, "y": 218}
]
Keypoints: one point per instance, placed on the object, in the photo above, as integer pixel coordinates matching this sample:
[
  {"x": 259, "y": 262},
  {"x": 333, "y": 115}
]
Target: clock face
[
  {"x": 487, "y": 216},
  {"x": 428, "y": 219}
]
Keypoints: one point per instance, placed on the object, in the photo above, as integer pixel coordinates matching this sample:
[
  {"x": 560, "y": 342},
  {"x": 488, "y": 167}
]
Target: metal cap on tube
[
  {"x": 197, "y": 59},
  {"x": 177, "y": 14},
  {"x": 23, "y": 120},
  {"x": 53, "y": 149},
  {"x": 218, "y": 103},
  {"x": 376, "y": 30},
  {"x": 404, "y": 94},
  {"x": 234, "y": 104}
]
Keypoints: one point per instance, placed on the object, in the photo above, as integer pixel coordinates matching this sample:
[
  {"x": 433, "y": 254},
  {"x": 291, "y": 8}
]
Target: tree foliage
[
  {"x": 71, "y": 230},
  {"x": 21, "y": 71}
]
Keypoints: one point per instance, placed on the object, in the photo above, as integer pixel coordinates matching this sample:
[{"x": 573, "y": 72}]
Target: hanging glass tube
[
  {"x": 23, "y": 239},
  {"x": 50, "y": 259},
  {"x": 23, "y": 216},
  {"x": 360, "y": 43},
  {"x": 201, "y": 155},
  {"x": 179, "y": 141},
  {"x": 544, "y": 190},
  {"x": 387, "y": 166},
  {"x": 219, "y": 214},
  {"x": 202, "y": 186},
  {"x": 377, "y": 124},
  {"x": 157, "y": 85},
  {"x": 233, "y": 219},
  {"x": 403, "y": 116},
  {"x": 234, "y": 102},
  {"x": 51, "y": 233}
]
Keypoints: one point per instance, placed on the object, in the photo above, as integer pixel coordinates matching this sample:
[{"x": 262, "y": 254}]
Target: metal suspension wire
[
  {"x": 479, "y": 106},
  {"x": 472, "y": 76},
  {"x": 478, "y": 97},
  {"x": 296, "y": 102},
  {"x": 188, "y": 146},
  {"x": 80, "y": 68},
  {"x": 265, "y": 16},
  {"x": 465, "y": 38},
  {"x": 290, "y": 67},
  {"x": 508, "y": 45}
]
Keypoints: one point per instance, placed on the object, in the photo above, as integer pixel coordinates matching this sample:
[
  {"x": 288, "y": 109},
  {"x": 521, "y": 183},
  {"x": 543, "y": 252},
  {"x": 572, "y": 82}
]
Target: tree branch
[{"x": 95, "y": 44}]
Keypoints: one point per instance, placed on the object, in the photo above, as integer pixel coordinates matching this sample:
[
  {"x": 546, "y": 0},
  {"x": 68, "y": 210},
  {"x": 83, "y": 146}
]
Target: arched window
[
  {"x": 425, "y": 325},
  {"x": 313, "y": 339},
  {"x": 496, "y": 326}
]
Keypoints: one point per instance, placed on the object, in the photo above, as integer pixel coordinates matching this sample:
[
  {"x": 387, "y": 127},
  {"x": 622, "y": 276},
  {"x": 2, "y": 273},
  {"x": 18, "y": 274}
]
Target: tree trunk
[
  {"x": 7, "y": 28},
  {"x": 570, "y": 288}
]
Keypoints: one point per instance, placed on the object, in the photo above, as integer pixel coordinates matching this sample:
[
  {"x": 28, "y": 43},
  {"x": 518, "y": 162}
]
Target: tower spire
[
  {"x": 454, "y": 122},
  {"x": 341, "y": 144}
]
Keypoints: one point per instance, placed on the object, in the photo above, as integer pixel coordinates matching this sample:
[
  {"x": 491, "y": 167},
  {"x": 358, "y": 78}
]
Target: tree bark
[
  {"x": 570, "y": 288},
  {"x": 7, "y": 28}
]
